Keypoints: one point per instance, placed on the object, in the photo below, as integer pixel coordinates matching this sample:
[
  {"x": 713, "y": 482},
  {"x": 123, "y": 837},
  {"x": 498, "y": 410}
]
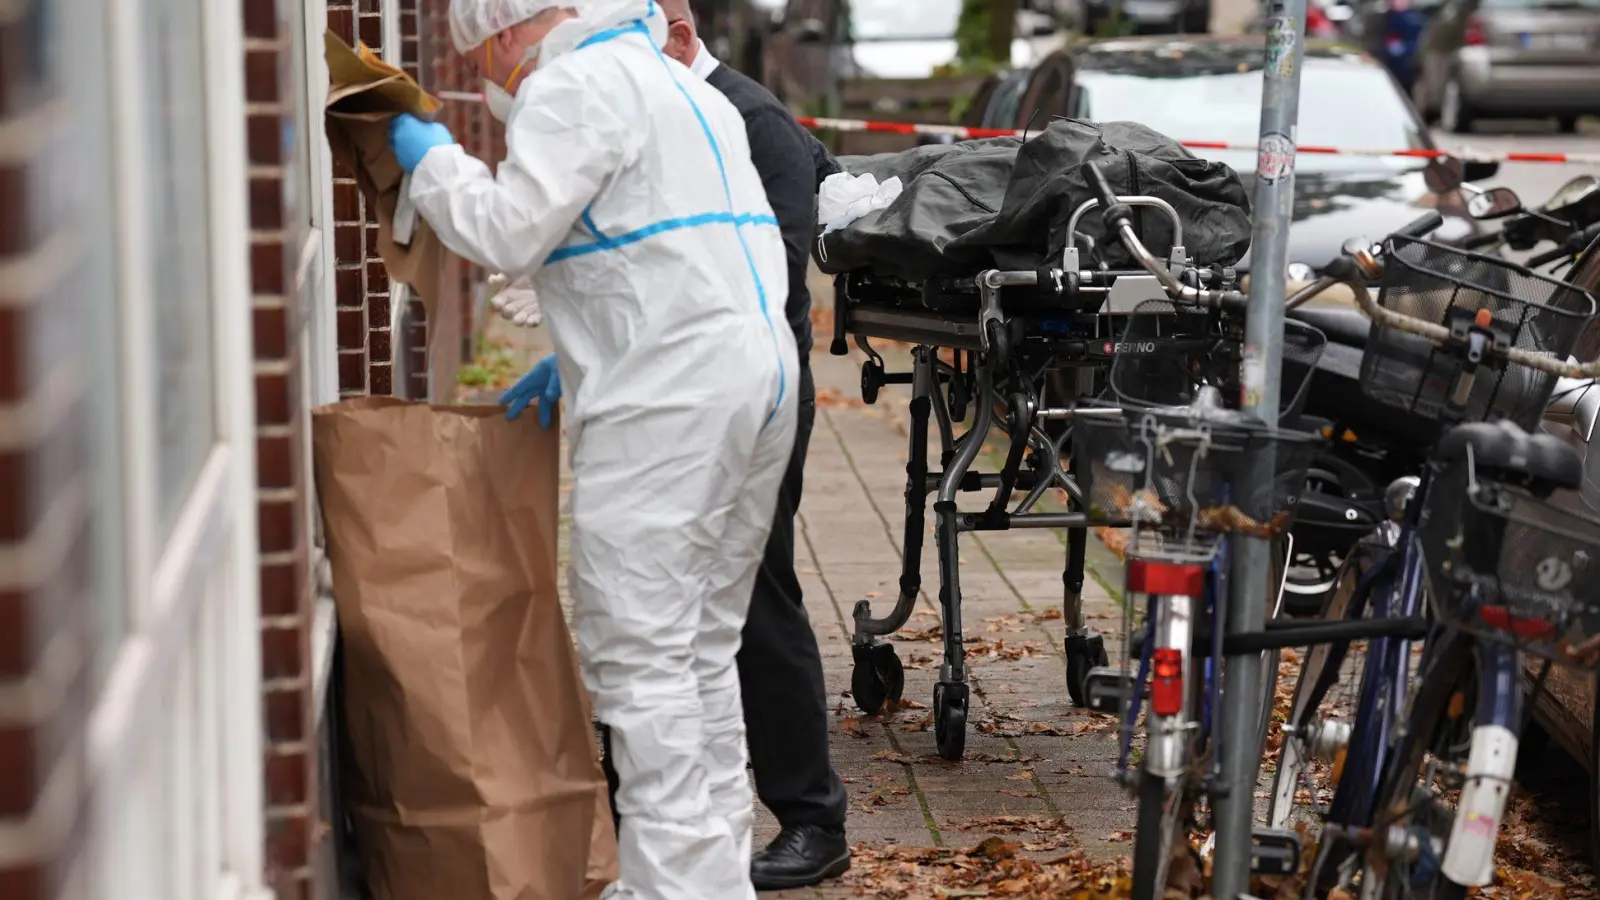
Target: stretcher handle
[
  {"x": 1102, "y": 190},
  {"x": 1118, "y": 218}
]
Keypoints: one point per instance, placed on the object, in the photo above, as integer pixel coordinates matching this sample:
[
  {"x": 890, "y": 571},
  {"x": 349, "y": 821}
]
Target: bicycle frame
[{"x": 1386, "y": 670}]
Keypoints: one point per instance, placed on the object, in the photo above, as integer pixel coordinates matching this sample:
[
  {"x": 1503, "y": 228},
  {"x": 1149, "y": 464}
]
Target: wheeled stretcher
[{"x": 1019, "y": 350}]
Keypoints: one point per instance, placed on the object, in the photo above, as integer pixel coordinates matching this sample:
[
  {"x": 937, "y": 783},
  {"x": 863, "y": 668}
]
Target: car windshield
[
  {"x": 1342, "y": 104},
  {"x": 892, "y": 20}
]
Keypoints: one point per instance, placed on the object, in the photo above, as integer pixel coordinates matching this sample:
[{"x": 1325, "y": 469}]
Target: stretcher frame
[{"x": 994, "y": 326}]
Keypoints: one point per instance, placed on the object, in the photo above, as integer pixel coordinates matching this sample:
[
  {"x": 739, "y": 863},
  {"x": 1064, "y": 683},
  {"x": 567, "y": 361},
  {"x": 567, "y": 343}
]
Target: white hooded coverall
[{"x": 629, "y": 195}]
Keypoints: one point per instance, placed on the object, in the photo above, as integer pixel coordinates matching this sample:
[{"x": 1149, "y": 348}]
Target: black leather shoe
[{"x": 801, "y": 856}]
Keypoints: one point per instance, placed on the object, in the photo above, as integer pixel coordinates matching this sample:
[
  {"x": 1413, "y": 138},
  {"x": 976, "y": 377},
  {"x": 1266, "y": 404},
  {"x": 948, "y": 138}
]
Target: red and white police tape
[{"x": 961, "y": 132}]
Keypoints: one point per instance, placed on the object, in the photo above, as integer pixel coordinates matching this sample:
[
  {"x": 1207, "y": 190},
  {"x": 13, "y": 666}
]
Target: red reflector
[
  {"x": 1166, "y": 681},
  {"x": 1501, "y": 618},
  {"x": 1166, "y": 578}
]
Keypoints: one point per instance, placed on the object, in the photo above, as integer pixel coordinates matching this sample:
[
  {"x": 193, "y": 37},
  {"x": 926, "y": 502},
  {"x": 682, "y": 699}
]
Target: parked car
[
  {"x": 1521, "y": 58},
  {"x": 1150, "y": 16},
  {"x": 1325, "y": 21},
  {"x": 1208, "y": 89},
  {"x": 1024, "y": 98},
  {"x": 815, "y": 41}
]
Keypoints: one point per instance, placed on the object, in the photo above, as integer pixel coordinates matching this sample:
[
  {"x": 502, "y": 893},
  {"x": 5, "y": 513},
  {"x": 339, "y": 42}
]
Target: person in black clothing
[{"x": 780, "y": 667}]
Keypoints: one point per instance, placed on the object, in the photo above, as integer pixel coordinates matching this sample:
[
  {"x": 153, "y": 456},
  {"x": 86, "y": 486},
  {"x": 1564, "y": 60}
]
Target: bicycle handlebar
[
  {"x": 1423, "y": 226},
  {"x": 1439, "y": 335},
  {"x": 1572, "y": 246},
  {"x": 1117, "y": 217}
]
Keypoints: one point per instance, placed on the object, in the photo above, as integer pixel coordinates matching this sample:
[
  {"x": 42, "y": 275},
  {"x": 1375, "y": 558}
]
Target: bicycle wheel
[
  {"x": 1307, "y": 735},
  {"x": 1417, "y": 800},
  {"x": 1159, "y": 834},
  {"x": 1166, "y": 804}
]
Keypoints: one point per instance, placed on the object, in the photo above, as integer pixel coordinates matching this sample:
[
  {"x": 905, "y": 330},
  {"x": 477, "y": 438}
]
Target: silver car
[{"x": 1511, "y": 58}]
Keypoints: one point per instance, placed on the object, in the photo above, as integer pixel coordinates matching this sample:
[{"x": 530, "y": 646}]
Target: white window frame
[
  {"x": 320, "y": 344},
  {"x": 323, "y": 333},
  {"x": 173, "y": 589}
]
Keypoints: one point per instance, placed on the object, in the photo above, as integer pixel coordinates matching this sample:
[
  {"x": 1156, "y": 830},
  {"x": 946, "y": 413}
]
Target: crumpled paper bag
[
  {"x": 364, "y": 93},
  {"x": 474, "y": 771}
]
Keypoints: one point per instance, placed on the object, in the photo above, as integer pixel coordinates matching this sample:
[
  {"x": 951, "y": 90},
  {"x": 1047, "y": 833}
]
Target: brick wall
[
  {"x": 444, "y": 69},
  {"x": 366, "y": 348},
  {"x": 414, "y": 345},
  {"x": 278, "y": 232},
  {"x": 44, "y": 507}
]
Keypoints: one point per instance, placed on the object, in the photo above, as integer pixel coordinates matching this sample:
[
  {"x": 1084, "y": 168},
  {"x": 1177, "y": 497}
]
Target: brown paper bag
[
  {"x": 474, "y": 769},
  {"x": 364, "y": 93}
]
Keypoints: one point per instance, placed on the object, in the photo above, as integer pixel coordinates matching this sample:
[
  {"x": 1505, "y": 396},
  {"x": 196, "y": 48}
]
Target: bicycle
[
  {"x": 1458, "y": 337},
  {"x": 1177, "y": 475},
  {"x": 1179, "y": 466}
]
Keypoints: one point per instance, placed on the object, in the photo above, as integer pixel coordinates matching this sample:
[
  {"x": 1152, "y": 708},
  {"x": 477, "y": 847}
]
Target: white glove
[
  {"x": 844, "y": 198},
  {"x": 515, "y": 301}
]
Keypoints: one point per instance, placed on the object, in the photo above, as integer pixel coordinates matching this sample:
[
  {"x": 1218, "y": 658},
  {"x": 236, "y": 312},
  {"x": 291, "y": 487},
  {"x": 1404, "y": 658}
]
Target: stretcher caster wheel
[
  {"x": 950, "y": 719},
  {"x": 1084, "y": 652},
  {"x": 877, "y": 677},
  {"x": 872, "y": 379}
]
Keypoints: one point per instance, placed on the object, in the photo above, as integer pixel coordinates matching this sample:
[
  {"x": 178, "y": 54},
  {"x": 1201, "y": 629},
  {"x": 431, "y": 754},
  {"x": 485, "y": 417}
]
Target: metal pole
[{"x": 1263, "y": 363}]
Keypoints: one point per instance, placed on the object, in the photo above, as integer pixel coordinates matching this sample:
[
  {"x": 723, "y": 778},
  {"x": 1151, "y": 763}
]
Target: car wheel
[
  {"x": 1567, "y": 124},
  {"x": 1455, "y": 116}
]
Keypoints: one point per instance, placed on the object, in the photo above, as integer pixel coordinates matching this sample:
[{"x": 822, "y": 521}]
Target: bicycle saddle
[
  {"x": 1503, "y": 447},
  {"x": 1348, "y": 327}
]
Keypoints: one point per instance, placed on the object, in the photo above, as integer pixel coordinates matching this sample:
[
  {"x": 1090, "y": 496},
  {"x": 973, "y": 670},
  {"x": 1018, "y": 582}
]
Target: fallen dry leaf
[
  {"x": 992, "y": 868},
  {"x": 832, "y": 398}
]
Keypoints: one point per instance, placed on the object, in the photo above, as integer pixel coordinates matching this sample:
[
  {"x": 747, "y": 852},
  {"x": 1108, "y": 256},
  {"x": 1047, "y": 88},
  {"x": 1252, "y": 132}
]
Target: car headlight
[{"x": 1301, "y": 272}]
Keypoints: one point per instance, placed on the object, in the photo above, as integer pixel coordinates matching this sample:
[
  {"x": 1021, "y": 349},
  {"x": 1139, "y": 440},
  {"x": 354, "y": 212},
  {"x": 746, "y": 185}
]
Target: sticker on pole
[
  {"x": 1253, "y": 377},
  {"x": 1281, "y": 39},
  {"x": 1275, "y": 158}
]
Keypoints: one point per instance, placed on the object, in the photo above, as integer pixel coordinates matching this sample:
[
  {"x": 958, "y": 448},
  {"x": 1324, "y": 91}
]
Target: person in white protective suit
[{"x": 628, "y": 194}]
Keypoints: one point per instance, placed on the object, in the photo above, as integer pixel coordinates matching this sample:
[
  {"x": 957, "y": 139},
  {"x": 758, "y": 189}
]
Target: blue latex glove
[
  {"x": 411, "y": 139},
  {"x": 543, "y": 384}
]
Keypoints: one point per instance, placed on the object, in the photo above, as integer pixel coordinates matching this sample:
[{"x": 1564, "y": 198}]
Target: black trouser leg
[
  {"x": 780, "y": 668},
  {"x": 612, "y": 779}
]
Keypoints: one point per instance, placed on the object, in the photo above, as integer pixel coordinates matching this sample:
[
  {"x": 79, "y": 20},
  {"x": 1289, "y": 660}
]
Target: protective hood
[
  {"x": 598, "y": 17},
  {"x": 474, "y": 21}
]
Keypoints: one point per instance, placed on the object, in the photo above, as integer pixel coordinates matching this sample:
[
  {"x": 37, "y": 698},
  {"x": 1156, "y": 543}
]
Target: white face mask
[{"x": 497, "y": 97}]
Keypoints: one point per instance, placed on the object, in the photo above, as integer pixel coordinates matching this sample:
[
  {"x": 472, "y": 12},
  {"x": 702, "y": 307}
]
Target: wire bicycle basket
[
  {"x": 1510, "y": 567},
  {"x": 1447, "y": 286},
  {"x": 1182, "y": 481}
]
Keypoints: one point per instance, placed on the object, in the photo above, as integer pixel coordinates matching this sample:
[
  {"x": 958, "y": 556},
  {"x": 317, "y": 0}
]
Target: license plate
[
  {"x": 1555, "y": 41},
  {"x": 1143, "y": 9}
]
